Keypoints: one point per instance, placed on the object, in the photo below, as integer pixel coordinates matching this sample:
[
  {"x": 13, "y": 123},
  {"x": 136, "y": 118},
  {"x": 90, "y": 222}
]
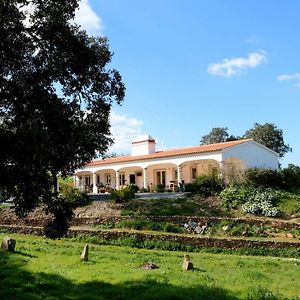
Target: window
[
  {"x": 194, "y": 172},
  {"x": 161, "y": 177},
  {"x": 107, "y": 178},
  {"x": 122, "y": 178}
]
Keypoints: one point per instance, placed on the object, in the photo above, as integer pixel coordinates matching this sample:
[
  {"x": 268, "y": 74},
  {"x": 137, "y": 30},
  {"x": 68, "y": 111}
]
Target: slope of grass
[
  {"x": 46, "y": 269},
  {"x": 189, "y": 206}
]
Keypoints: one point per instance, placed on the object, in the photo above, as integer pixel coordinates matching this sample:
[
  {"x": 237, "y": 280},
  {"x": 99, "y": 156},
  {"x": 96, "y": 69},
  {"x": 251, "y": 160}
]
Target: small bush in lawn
[
  {"x": 205, "y": 185},
  {"x": 123, "y": 195}
]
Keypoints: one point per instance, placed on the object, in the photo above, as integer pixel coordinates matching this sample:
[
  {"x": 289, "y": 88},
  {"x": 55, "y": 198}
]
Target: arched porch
[
  {"x": 193, "y": 168},
  {"x": 83, "y": 181}
]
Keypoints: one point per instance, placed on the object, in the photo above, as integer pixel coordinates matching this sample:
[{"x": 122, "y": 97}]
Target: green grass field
[{"x": 47, "y": 269}]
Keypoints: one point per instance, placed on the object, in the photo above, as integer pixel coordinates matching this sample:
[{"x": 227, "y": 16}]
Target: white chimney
[{"x": 143, "y": 145}]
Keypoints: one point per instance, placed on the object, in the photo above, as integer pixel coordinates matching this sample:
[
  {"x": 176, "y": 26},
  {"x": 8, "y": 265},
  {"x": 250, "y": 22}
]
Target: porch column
[
  {"x": 179, "y": 169},
  {"x": 75, "y": 181},
  {"x": 145, "y": 177},
  {"x": 117, "y": 180},
  {"x": 95, "y": 189}
]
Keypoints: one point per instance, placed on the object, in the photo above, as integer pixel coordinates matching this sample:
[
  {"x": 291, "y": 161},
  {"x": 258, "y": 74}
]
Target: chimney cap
[{"x": 143, "y": 138}]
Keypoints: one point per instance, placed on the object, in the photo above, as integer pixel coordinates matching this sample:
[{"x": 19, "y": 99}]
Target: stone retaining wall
[
  {"x": 185, "y": 219},
  {"x": 202, "y": 242},
  {"x": 180, "y": 220}
]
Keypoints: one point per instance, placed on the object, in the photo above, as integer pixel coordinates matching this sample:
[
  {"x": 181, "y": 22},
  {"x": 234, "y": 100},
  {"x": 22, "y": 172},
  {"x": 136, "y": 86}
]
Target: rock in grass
[
  {"x": 149, "y": 266},
  {"x": 8, "y": 244},
  {"x": 187, "y": 264},
  {"x": 85, "y": 253}
]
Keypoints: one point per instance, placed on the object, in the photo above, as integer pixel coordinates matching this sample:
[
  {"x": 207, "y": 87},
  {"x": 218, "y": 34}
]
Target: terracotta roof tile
[{"x": 168, "y": 153}]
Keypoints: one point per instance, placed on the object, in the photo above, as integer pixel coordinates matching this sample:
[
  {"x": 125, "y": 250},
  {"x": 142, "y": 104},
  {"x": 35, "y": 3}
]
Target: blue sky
[{"x": 192, "y": 65}]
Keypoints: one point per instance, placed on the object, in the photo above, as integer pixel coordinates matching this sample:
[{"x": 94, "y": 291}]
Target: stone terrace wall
[{"x": 202, "y": 242}]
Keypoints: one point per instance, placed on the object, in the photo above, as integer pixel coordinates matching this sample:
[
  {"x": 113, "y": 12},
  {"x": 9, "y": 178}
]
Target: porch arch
[
  {"x": 83, "y": 181},
  {"x": 130, "y": 175},
  {"x": 162, "y": 174},
  {"x": 193, "y": 168}
]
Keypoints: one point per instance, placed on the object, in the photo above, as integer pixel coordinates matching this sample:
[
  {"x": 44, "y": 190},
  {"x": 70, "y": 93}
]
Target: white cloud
[
  {"x": 290, "y": 77},
  {"x": 124, "y": 130},
  {"x": 235, "y": 66},
  {"x": 286, "y": 77},
  {"x": 88, "y": 19}
]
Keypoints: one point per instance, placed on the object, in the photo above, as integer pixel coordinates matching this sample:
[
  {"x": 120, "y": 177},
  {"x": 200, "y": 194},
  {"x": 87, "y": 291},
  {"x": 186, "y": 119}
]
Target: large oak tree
[{"x": 56, "y": 94}]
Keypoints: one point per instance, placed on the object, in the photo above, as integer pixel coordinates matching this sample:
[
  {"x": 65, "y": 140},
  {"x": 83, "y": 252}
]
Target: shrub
[
  {"x": 254, "y": 200},
  {"x": 205, "y": 185},
  {"x": 234, "y": 196},
  {"x": 291, "y": 177},
  {"x": 265, "y": 208},
  {"x": 73, "y": 196},
  {"x": 134, "y": 187},
  {"x": 160, "y": 188},
  {"x": 264, "y": 177},
  {"x": 123, "y": 195}
]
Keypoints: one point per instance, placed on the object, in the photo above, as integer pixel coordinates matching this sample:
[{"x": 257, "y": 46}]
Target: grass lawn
[{"x": 46, "y": 269}]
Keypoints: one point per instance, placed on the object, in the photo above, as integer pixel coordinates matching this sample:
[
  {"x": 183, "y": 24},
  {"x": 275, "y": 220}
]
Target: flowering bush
[
  {"x": 253, "y": 200},
  {"x": 265, "y": 208}
]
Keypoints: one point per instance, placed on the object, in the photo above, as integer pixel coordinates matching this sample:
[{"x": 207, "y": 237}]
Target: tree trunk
[{"x": 54, "y": 182}]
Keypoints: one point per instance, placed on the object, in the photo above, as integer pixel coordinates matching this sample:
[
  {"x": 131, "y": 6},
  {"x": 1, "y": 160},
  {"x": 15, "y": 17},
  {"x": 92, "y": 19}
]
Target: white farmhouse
[{"x": 147, "y": 167}]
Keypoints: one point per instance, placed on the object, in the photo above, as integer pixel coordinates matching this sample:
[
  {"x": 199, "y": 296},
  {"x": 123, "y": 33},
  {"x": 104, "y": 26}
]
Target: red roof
[{"x": 168, "y": 153}]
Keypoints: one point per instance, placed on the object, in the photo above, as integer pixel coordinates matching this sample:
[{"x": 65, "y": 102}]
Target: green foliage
[
  {"x": 286, "y": 178},
  {"x": 61, "y": 207},
  {"x": 46, "y": 90},
  {"x": 160, "y": 188},
  {"x": 264, "y": 177},
  {"x": 233, "y": 196},
  {"x": 73, "y": 196},
  {"x": 270, "y": 136},
  {"x": 134, "y": 187},
  {"x": 161, "y": 207},
  {"x": 62, "y": 211},
  {"x": 289, "y": 203},
  {"x": 253, "y": 200},
  {"x": 217, "y": 135},
  {"x": 291, "y": 177},
  {"x": 143, "y": 224},
  {"x": 205, "y": 185},
  {"x": 123, "y": 195}
]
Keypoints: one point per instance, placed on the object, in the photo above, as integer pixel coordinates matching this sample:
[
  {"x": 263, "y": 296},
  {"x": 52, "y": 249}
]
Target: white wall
[{"x": 254, "y": 155}]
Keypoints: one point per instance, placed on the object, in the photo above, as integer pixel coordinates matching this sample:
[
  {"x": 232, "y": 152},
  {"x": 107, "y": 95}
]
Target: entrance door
[
  {"x": 132, "y": 178},
  {"x": 161, "y": 177}
]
